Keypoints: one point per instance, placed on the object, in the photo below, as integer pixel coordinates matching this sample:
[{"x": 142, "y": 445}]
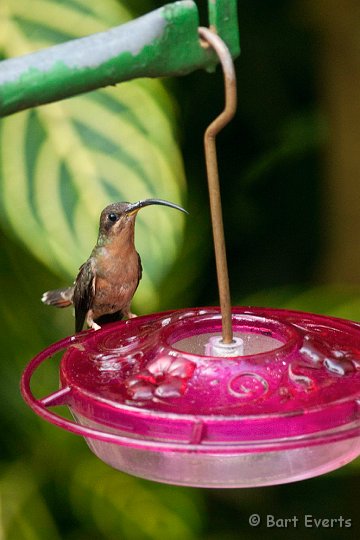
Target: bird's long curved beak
[{"x": 135, "y": 207}]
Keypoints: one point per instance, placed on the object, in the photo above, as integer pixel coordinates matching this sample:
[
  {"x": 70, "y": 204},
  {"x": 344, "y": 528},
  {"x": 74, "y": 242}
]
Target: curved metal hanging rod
[{"x": 211, "y": 39}]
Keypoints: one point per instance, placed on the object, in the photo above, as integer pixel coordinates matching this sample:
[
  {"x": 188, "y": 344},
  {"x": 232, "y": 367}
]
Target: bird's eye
[{"x": 112, "y": 217}]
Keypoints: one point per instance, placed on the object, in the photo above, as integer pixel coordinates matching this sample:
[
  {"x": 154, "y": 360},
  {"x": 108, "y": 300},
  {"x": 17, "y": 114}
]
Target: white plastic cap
[{"x": 216, "y": 347}]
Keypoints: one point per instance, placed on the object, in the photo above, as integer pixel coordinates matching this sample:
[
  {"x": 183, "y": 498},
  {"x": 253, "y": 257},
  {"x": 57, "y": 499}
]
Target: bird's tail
[{"x": 60, "y": 298}]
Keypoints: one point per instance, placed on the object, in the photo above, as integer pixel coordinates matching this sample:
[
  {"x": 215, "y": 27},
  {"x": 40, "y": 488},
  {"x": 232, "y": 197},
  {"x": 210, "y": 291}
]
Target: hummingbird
[{"x": 107, "y": 281}]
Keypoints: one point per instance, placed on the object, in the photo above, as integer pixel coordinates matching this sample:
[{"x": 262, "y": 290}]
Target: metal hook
[{"x": 210, "y": 38}]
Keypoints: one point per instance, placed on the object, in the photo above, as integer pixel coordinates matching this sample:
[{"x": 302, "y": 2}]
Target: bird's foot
[
  {"x": 91, "y": 323},
  {"x": 131, "y": 315},
  {"x": 95, "y": 326}
]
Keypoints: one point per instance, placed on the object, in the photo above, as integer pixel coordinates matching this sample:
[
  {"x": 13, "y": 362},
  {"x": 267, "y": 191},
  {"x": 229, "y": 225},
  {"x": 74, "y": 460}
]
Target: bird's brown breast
[{"x": 116, "y": 280}]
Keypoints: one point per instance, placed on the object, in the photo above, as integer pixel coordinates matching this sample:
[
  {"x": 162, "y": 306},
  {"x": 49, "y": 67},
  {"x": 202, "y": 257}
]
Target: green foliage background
[{"x": 51, "y": 486}]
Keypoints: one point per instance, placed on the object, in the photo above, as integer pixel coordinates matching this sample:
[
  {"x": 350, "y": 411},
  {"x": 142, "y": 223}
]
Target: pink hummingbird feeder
[
  {"x": 212, "y": 397},
  {"x": 152, "y": 400}
]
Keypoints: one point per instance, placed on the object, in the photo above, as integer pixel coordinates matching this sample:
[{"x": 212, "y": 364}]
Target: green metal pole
[{"x": 164, "y": 42}]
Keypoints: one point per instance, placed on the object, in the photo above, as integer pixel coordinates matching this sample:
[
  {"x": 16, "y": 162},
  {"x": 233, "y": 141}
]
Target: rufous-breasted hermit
[{"x": 107, "y": 281}]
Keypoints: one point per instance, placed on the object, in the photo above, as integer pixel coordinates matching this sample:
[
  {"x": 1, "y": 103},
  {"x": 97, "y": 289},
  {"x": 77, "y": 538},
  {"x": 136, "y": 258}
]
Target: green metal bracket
[{"x": 162, "y": 43}]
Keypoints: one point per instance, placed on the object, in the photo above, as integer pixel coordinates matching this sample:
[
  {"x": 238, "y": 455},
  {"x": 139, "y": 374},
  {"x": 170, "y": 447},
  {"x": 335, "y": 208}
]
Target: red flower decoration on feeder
[{"x": 164, "y": 377}]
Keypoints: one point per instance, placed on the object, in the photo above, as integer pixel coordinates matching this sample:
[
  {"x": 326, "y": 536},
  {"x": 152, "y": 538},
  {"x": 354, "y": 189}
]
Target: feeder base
[{"x": 241, "y": 470}]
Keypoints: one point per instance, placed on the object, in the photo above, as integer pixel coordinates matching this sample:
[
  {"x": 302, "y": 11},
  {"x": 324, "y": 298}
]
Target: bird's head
[{"x": 117, "y": 218}]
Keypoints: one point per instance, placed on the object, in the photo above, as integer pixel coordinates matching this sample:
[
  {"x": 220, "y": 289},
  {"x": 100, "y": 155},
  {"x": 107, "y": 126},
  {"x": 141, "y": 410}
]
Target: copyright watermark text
[{"x": 308, "y": 521}]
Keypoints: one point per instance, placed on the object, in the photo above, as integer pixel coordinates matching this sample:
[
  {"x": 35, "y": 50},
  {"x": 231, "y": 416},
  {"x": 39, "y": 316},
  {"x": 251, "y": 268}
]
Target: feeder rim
[
  {"x": 67, "y": 390},
  {"x": 309, "y": 439}
]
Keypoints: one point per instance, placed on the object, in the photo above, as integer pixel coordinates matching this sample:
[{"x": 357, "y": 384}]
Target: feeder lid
[{"x": 297, "y": 379}]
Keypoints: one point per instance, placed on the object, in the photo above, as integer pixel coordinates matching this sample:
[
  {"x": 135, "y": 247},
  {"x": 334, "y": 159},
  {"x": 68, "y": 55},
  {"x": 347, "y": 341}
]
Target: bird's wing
[
  {"x": 140, "y": 270},
  {"x": 84, "y": 293}
]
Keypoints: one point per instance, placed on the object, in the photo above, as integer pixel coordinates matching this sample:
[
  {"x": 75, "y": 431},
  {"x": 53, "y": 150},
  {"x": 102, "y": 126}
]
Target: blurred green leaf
[
  {"x": 122, "y": 506},
  {"x": 24, "y": 514},
  {"x": 299, "y": 135},
  {"x": 333, "y": 300},
  {"x": 61, "y": 164}
]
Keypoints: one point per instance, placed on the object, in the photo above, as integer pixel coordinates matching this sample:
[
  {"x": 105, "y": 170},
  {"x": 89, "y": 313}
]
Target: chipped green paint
[{"x": 164, "y": 42}]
